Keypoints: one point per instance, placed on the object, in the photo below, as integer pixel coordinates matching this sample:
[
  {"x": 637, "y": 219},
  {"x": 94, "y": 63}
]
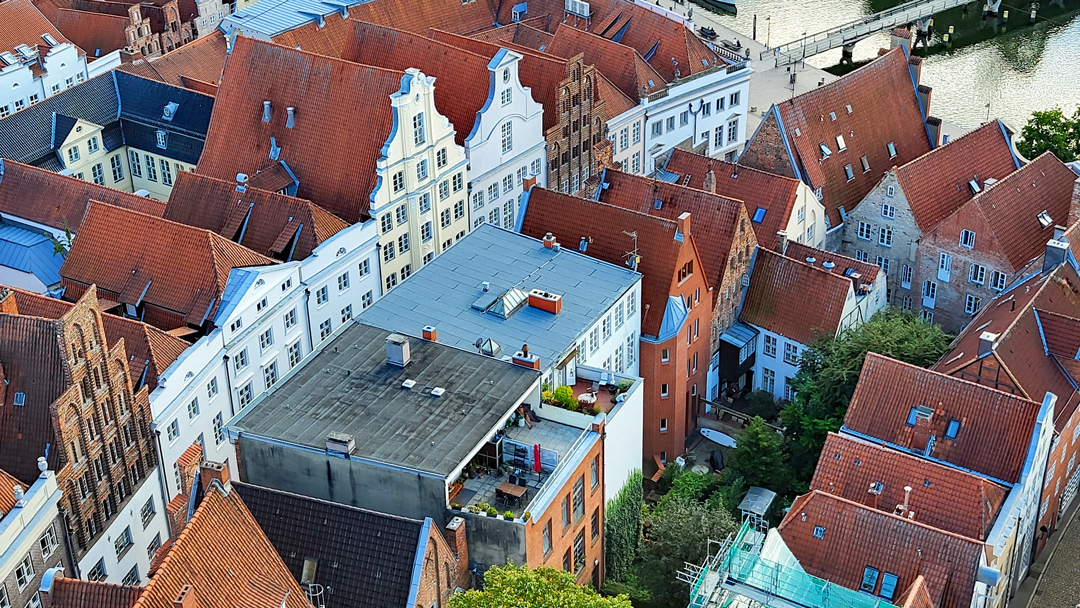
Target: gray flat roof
[
  {"x": 362, "y": 395},
  {"x": 442, "y": 294}
]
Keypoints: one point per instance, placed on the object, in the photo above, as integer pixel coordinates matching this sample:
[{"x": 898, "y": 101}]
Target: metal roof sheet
[
  {"x": 30, "y": 252},
  {"x": 273, "y": 17}
]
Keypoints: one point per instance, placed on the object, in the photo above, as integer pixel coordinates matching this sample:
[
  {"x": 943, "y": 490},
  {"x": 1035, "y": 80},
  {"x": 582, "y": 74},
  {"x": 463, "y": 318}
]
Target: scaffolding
[{"x": 737, "y": 575}]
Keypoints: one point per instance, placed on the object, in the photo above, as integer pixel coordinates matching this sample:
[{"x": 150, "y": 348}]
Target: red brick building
[{"x": 676, "y": 309}]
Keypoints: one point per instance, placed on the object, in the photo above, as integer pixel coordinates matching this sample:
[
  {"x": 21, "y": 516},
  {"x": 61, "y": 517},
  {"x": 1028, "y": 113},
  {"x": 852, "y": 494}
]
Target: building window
[
  {"x": 444, "y": 190},
  {"x": 732, "y": 131},
  {"x": 547, "y": 537},
  {"x": 346, "y": 313},
  {"x": 657, "y": 129},
  {"x": 440, "y": 158},
  {"x": 24, "y": 572},
  {"x": 997, "y": 282},
  {"x": 97, "y": 573},
  {"x": 849, "y": 172},
  {"x": 885, "y": 236},
  {"x": 388, "y": 252},
  {"x": 770, "y": 346},
  {"x": 151, "y": 168},
  {"x": 193, "y": 409},
  {"x": 270, "y": 375},
  {"x": 665, "y": 355},
  {"x": 399, "y": 181},
  {"x": 929, "y": 290},
  {"x": 507, "y": 139},
  {"x": 48, "y": 542},
  {"x": 967, "y": 239},
  {"x": 421, "y": 170},
  {"x": 324, "y": 329},
  {"x": 218, "y": 423},
  {"x": 506, "y": 96},
  {"x": 579, "y": 551},
  {"x": 459, "y": 182},
  {"x": 579, "y": 498},
  {"x": 117, "y": 167},
  {"x": 98, "y": 174},
  {"x": 122, "y": 542},
  {"x": 403, "y": 243},
  {"x": 72, "y": 153},
  {"x": 888, "y": 586},
  {"x": 426, "y": 232},
  {"x": 418, "y": 129},
  {"x": 294, "y": 353},
  {"x": 733, "y": 100},
  {"x": 972, "y": 304},
  {"x": 136, "y": 166},
  {"x": 387, "y": 223},
  {"x": 905, "y": 276},
  {"x": 869, "y": 580},
  {"x": 865, "y": 231},
  {"x": 173, "y": 430},
  {"x": 663, "y": 425},
  {"x": 391, "y": 281},
  {"x": 664, "y": 390},
  {"x": 132, "y": 577},
  {"x": 146, "y": 513},
  {"x": 565, "y": 511},
  {"x": 888, "y": 211},
  {"x": 244, "y": 395},
  {"x": 323, "y": 294},
  {"x": 162, "y": 140},
  {"x": 343, "y": 282},
  {"x": 718, "y": 136},
  {"x": 290, "y": 319},
  {"x": 883, "y": 263},
  {"x": 977, "y": 274},
  {"x": 768, "y": 380},
  {"x": 791, "y": 353}
]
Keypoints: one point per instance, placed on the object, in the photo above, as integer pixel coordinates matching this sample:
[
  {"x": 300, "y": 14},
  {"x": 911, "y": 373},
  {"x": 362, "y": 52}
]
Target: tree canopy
[
  {"x": 513, "y": 586},
  {"x": 1051, "y": 131},
  {"x": 758, "y": 456},
  {"x": 829, "y": 370}
]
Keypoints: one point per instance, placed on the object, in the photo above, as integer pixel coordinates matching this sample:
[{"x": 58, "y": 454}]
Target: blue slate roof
[
  {"x": 273, "y": 17},
  {"x": 442, "y": 293},
  {"x": 30, "y": 252},
  {"x": 62, "y": 126},
  {"x": 30, "y": 135}
]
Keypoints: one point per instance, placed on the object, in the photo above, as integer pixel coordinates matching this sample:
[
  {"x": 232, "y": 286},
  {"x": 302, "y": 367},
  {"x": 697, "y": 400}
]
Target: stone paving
[{"x": 1059, "y": 586}]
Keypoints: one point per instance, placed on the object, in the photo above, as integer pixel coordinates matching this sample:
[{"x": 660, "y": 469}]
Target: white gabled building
[{"x": 36, "y": 61}]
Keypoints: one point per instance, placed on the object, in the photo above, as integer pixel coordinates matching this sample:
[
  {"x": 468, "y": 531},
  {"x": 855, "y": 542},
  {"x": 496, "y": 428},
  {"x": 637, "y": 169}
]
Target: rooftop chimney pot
[
  {"x": 291, "y": 120},
  {"x": 828, "y": 265},
  {"x": 781, "y": 241},
  {"x": 986, "y": 343},
  {"x": 549, "y": 240},
  {"x": 811, "y": 261},
  {"x": 186, "y": 597},
  {"x": 430, "y": 333}
]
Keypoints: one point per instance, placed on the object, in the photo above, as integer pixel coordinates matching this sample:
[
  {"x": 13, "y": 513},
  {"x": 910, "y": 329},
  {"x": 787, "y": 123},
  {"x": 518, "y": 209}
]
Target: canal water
[{"x": 1017, "y": 72}]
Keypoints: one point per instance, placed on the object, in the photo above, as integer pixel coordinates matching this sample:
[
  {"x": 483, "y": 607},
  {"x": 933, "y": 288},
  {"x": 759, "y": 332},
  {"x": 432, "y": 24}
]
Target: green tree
[
  {"x": 829, "y": 371},
  {"x": 675, "y": 534},
  {"x": 1051, "y": 131},
  {"x": 513, "y": 586},
  {"x": 758, "y": 456},
  {"x": 622, "y": 529}
]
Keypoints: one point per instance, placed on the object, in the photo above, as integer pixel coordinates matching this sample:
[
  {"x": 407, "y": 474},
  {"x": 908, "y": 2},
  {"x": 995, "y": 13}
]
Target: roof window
[
  {"x": 840, "y": 143},
  {"x": 798, "y": 131},
  {"x": 953, "y": 429},
  {"x": 819, "y": 532},
  {"x": 832, "y": 115},
  {"x": 974, "y": 185},
  {"x": 1045, "y": 219},
  {"x": 825, "y": 151},
  {"x": 48, "y": 38},
  {"x": 759, "y": 215},
  {"x": 848, "y": 108},
  {"x": 20, "y": 398},
  {"x": 892, "y": 149}
]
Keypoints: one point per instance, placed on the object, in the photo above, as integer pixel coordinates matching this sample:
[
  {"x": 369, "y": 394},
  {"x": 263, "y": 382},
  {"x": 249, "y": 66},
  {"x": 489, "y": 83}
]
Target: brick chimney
[
  {"x": 933, "y": 126},
  {"x": 710, "y": 181},
  {"x": 430, "y": 334},
  {"x": 454, "y": 533},
  {"x": 524, "y": 359},
  {"x": 920, "y": 435},
  {"x": 684, "y": 224},
  {"x": 915, "y": 67},
  {"x": 213, "y": 471},
  {"x": 781, "y": 241},
  {"x": 186, "y": 598}
]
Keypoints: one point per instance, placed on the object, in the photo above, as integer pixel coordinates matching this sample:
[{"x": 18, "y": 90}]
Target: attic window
[
  {"x": 953, "y": 429},
  {"x": 848, "y": 108},
  {"x": 49, "y": 39},
  {"x": 759, "y": 215},
  {"x": 840, "y": 143},
  {"x": 892, "y": 149},
  {"x": 20, "y": 399},
  {"x": 825, "y": 151},
  {"x": 8, "y": 58},
  {"x": 162, "y": 139},
  {"x": 974, "y": 185},
  {"x": 819, "y": 532},
  {"x": 657, "y": 204},
  {"x": 832, "y": 115},
  {"x": 705, "y": 62},
  {"x": 651, "y": 84},
  {"x": 1045, "y": 220}
]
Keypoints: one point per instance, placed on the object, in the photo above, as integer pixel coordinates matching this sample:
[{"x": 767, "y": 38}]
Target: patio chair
[
  {"x": 501, "y": 499},
  {"x": 512, "y": 479}
]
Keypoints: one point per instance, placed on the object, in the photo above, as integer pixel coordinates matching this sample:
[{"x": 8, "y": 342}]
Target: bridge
[{"x": 848, "y": 34}]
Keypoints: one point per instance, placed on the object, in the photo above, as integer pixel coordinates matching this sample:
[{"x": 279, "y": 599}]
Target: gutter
[
  {"x": 162, "y": 483},
  {"x": 418, "y": 562}
]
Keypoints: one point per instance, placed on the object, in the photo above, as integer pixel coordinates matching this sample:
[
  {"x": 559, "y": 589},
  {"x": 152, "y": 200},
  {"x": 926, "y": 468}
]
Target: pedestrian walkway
[{"x": 1055, "y": 575}]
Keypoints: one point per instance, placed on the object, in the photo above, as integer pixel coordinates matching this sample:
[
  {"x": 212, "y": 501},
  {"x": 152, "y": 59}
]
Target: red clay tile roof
[
  {"x": 669, "y": 45},
  {"x": 98, "y": 33},
  {"x": 715, "y": 220},
  {"x": 147, "y": 259},
  {"x": 59, "y": 201},
  {"x": 995, "y": 427},
  {"x": 75, "y": 593},
  {"x": 419, "y": 17},
  {"x": 941, "y": 497},
  {"x": 1042, "y": 308},
  {"x": 275, "y": 225},
  {"x": 884, "y": 109},
  {"x": 461, "y": 77},
  {"x": 801, "y": 251},
  {"x": 1012, "y": 205},
  {"x": 199, "y": 61},
  {"x": 916, "y": 596},
  {"x": 22, "y": 23},
  {"x": 224, "y": 555},
  {"x": 775, "y": 276},
  {"x": 570, "y": 218},
  {"x": 149, "y": 350},
  {"x": 615, "y": 101},
  {"x": 324, "y": 92},
  {"x": 856, "y": 537},
  {"x": 624, "y": 66},
  {"x": 7, "y": 484},
  {"x": 327, "y": 39},
  {"x": 936, "y": 184},
  {"x": 523, "y": 33},
  {"x": 757, "y": 189},
  {"x": 541, "y": 72}
]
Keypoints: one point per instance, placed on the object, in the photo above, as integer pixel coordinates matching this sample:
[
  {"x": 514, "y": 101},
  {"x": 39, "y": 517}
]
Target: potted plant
[
  {"x": 526, "y": 516},
  {"x": 455, "y": 506},
  {"x": 508, "y": 516},
  {"x": 492, "y": 512}
]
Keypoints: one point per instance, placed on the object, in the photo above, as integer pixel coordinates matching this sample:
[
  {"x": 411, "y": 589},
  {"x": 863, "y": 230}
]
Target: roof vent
[
  {"x": 438, "y": 391},
  {"x": 266, "y": 111},
  {"x": 828, "y": 265},
  {"x": 986, "y": 343},
  {"x": 291, "y": 120},
  {"x": 397, "y": 350},
  {"x": 811, "y": 261},
  {"x": 170, "y": 111},
  {"x": 583, "y": 245},
  {"x": 408, "y": 383},
  {"x": 340, "y": 443}
]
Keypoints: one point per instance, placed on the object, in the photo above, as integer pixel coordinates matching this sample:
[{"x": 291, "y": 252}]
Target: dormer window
[
  {"x": 162, "y": 139},
  {"x": 1045, "y": 220},
  {"x": 506, "y": 96}
]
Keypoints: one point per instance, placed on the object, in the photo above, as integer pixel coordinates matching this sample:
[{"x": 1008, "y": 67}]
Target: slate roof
[
  {"x": 22, "y": 23},
  {"x": 1037, "y": 324},
  {"x": 7, "y": 497},
  {"x": 275, "y": 17},
  {"x": 936, "y": 184},
  {"x": 75, "y": 593},
  {"x": 856, "y": 537},
  {"x": 1012, "y": 205},
  {"x": 226, "y": 558},
  {"x": 570, "y": 218},
  {"x": 114, "y": 97},
  {"x": 366, "y": 557},
  {"x": 99, "y": 33},
  {"x": 844, "y": 264},
  {"x": 30, "y": 252},
  {"x": 59, "y": 201},
  {"x": 274, "y": 225},
  {"x": 149, "y": 350},
  {"x": 442, "y": 292},
  {"x": 147, "y": 259},
  {"x": 942, "y": 497},
  {"x": 199, "y": 61},
  {"x": 461, "y": 77},
  {"x": 757, "y": 189},
  {"x": 715, "y": 220},
  {"x": 884, "y": 108},
  {"x": 995, "y": 427},
  {"x": 774, "y": 277},
  {"x": 623, "y": 65},
  {"x": 406, "y": 428},
  {"x": 324, "y": 91}
]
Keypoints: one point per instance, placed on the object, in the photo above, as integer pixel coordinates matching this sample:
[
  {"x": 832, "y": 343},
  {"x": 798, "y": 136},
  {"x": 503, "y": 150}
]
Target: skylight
[
  {"x": 49, "y": 39},
  {"x": 759, "y": 215},
  {"x": 825, "y": 151},
  {"x": 832, "y": 115},
  {"x": 1045, "y": 220},
  {"x": 953, "y": 429},
  {"x": 8, "y": 58},
  {"x": 840, "y": 143}
]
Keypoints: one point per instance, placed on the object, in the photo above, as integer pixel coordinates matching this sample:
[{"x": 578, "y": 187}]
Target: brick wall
[
  {"x": 563, "y": 537},
  {"x": 440, "y": 576},
  {"x": 582, "y": 124},
  {"x": 729, "y": 293},
  {"x": 766, "y": 150}
]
